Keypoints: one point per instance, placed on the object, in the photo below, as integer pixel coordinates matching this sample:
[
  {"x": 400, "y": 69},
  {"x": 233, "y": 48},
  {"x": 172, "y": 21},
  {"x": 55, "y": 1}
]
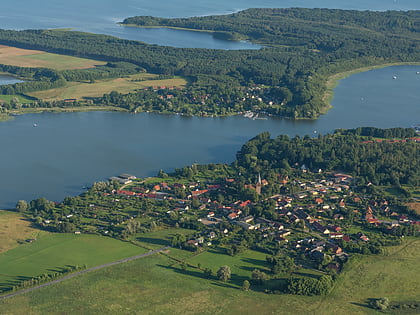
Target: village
[{"x": 319, "y": 219}]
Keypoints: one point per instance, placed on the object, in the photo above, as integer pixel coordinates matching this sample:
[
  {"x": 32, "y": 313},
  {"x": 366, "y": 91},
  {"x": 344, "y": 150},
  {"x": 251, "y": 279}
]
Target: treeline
[
  {"x": 379, "y": 162},
  {"x": 39, "y": 79},
  {"x": 302, "y": 47},
  {"x": 391, "y": 133}
]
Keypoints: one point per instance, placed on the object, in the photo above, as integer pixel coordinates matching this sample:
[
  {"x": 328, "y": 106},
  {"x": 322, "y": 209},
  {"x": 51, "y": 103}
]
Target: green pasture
[
  {"x": 51, "y": 252},
  {"x": 153, "y": 285}
]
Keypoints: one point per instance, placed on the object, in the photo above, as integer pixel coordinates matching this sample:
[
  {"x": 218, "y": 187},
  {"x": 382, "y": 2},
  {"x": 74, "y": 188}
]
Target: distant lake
[
  {"x": 7, "y": 79},
  {"x": 69, "y": 150},
  {"x": 101, "y": 16}
]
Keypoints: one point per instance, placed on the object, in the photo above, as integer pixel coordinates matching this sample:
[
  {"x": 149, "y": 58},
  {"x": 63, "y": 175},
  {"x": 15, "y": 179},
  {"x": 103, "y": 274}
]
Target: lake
[
  {"x": 7, "y": 79},
  {"x": 101, "y": 16},
  {"x": 69, "y": 150}
]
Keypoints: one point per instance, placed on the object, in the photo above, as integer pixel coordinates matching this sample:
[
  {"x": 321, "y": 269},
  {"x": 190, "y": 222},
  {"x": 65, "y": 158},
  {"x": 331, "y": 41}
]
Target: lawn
[
  {"x": 79, "y": 90},
  {"x": 41, "y": 59},
  {"x": 152, "y": 285},
  {"x": 54, "y": 251}
]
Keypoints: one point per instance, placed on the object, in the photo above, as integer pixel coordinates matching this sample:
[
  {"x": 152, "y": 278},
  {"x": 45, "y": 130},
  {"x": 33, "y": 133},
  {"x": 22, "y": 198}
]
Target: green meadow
[
  {"x": 158, "y": 285},
  {"x": 51, "y": 252}
]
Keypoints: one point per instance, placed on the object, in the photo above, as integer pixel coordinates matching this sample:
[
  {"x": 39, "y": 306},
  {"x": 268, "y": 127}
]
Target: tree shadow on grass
[
  {"x": 365, "y": 305},
  {"x": 255, "y": 262},
  {"x": 197, "y": 273},
  {"x": 151, "y": 240},
  {"x": 306, "y": 274}
]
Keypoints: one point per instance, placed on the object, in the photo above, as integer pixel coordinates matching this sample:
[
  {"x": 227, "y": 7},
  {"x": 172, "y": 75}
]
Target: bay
[
  {"x": 69, "y": 150},
  {"x": 101, "y": 16}
]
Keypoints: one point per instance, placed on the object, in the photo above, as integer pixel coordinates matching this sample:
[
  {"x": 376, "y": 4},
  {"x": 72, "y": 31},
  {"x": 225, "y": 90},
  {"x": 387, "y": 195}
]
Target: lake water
[
  {"x": 7, "y": 79},
  {"x": 69, "y": 150},
  {"x": 101, "y": 16}
]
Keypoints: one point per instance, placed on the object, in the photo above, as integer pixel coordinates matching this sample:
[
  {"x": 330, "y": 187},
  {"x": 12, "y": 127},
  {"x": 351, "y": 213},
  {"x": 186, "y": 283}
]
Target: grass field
[
  {"x": 37, "y": 59},
  {"x": 14, "y": 228},
  {"x": 20, "y": 98},
  {"x": 78, "y": 90},
  {"x": 153, "y": 286},
  {"x": 53, "y": 251}
]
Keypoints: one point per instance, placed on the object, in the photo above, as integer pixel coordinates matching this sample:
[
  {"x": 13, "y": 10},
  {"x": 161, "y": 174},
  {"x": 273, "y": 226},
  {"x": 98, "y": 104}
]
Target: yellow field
[
  {"x": 37, "y": 59},
  {"x": 79, "y": 90},
  {"x": 13, "y": 228}
]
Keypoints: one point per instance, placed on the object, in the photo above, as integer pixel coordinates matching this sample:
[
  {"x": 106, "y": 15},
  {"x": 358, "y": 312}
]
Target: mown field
[
  {"x": 41, "y": 59},
  {"x": 79, "y": 90},
  {"x": 51, "y": 252},
  {"x": 158, "y": 285}
]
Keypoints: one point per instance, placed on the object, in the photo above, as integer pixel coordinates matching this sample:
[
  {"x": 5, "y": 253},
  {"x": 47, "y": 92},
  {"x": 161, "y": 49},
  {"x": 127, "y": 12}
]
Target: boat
[
  {"x": 394, "y": 77},
  {"x": 35, "y": 125}
]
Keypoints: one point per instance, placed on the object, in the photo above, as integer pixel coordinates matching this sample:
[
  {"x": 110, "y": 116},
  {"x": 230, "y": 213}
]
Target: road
[{"x": 85, "y": 271}]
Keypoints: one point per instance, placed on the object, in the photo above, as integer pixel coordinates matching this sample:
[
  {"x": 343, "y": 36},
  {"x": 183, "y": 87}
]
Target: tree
[
  {"x": 22, "y": 206},
  {"x": 380, "y": 304},
  {"x": 224, "y": 273},
  {"x": 258, "y": 276},
  {"x": 246, "y": 285}
]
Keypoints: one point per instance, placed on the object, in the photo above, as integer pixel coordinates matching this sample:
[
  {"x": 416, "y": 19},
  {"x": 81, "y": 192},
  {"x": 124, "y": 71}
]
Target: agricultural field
[
  {"x": 153, "y": 285},
  {"x": 51, "y": 251},
  {"x": 14, "y": 229},
  {"x": 79, "y": 90},
  {"x": 41, "y": 59}
]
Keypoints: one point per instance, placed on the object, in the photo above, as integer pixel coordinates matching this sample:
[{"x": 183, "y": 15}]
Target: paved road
[{"x": 85, "y": 271}]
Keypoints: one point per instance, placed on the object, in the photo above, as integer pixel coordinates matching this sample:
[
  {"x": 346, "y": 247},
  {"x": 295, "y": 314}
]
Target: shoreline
[
  {"x": 11, "y": 114},
  {"x": 331, "y": 83},
  {"x": 333, "y": 80}
]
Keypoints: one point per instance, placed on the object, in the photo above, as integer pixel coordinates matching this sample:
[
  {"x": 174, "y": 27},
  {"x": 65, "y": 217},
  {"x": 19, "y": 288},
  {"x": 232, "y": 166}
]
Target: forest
[
  {"x": 301, "y": 49},
  {"x": 360, "y": 152}
]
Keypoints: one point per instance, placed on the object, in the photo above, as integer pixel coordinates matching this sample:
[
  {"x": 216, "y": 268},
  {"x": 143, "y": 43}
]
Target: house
[
  {"x": 334, "y": 248},
  {"x": 248, "y": 219},
  {"x": 192, "y": 242},
  {"x": 320, "y": 228},
  {"x": 336, "y": 235},
  {"x": 233, "y": 216},
  {"x": 197, "y": 193},
  {"x": 284, "y": 233},
  {"x": 245, "y": 225}
]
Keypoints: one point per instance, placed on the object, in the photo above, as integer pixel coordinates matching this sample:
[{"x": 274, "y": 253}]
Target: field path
[{"x": 85, "y": 271}]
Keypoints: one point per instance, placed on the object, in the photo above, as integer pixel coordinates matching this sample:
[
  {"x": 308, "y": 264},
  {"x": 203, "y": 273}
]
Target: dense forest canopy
[
  {"x": 302, "y": 48},
  {"x": 368, "y": 153}
]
